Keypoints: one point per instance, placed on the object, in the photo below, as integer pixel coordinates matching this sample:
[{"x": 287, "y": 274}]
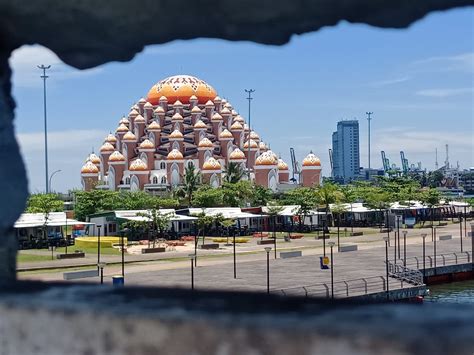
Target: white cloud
[
  {"x": 439, "y": 93},
  {"x": 390, "y": 81},
  {"x": 458, "y": 62},
  {"x": 25, "y": 61}
]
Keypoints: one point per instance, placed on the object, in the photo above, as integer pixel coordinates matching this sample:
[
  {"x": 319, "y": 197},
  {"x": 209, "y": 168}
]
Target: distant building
[{"x": 345, "y": 151}]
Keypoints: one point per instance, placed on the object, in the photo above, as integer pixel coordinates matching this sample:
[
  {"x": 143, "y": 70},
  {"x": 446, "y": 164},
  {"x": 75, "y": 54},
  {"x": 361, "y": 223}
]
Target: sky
[{"x": 418, "y": 82}]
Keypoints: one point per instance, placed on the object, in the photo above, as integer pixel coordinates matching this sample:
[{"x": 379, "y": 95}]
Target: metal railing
[
  {"x": 347, "y": 288},
  {"x": 404, "y": 274},
  {"x": 441, "y": 260}
]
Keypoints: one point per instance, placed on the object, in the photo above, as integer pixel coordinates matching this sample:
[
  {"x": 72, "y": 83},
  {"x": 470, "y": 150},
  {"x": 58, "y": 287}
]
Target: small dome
[
  {"x": 148, "y": 105},
  {"x": 228, "y": 106},
  {"x": 237, "y": 154},
  {"x": 225, "y": 134},
  {"x": 246, "y": 127},
  {"x": 159, "y": 109},
  {"x": 205, "y": 143},
  {"x": 216, "y": 117},
  {"x": 200, "y": 124},
  {"x": 211, "y": 164},
  {"x": 116, "y": 157},
  {"x": 282, "y": 165},
  {"x": 234, "y": 113},
  {"x": 138, "y": 165},
  {"x": 177, "y": 117},
  {"x": 217, "y": 99},
  {"x": 209, "y": 103},
  {"x": 107, "y": 147},
  {"x": 311, "y": 160},
  {"x": 135, "y": 107},
  {"x": 196, "y": 109},
  {"x": 177, "y": 104},
  {"x": 146, "y": 144},
  {"x": 124, "y": 120},
  {"x": 133, "y": 113},
  {"x": 254, "y": 135},
  {"x": 266, "y": 159},
  {"x": 139, "y": 119},
  {"x": 236, "y": 126},
  {"x": 111, "y": 138},
  {"x": 129, "y": 136},
  {"x": 121, "y": 128},
  {"x": 262, "y": 146},
  {"x": 142, "y": 101},
  {"x": 272, "y": 153},
  {"x": 239, "y": 118},
  {"x": 94, "y": 158},
  {"x": 176, "y": 134},
  {"x": 225, "y": 111},
  {"x": 175, "y": 154},
  {"x": 253, "y": 144},
  {"x": 193, "y": 98},
  {"x": 89, "y": 168},
  {"x": 154, "y": 126},
  {"x": 163, "y": 99}
]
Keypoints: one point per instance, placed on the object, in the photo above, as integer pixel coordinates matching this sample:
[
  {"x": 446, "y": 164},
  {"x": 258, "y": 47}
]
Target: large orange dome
[{"x": 181, "y": 87}]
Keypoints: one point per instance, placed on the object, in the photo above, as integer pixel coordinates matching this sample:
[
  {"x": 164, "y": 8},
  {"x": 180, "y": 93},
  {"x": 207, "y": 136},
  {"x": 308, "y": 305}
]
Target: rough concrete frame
[{"x": 88, "y": 33}]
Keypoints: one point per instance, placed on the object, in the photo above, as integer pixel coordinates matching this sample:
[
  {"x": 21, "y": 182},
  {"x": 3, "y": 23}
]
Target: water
[{"x": 456, "y": 292}]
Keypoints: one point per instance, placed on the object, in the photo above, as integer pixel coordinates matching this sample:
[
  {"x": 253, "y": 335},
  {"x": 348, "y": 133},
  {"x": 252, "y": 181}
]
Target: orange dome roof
[
  {"x": 239, "y": 118},
  {"x": 111, "y": 138},
  {"x": 177, "y": 117},
  {"x": 154, "y": 126},
  {"x": 107, "y": 147},
  {"x": 89, "y": 168},
  {"x": 262, "y": 146},
  {"x": 216, "y": 117},
  {"x": 175, "y": 154},
  {"x": 124, "y": 120},
  {"x": 177, "y": 104},
  {"x": 211, "y": 164},
  {"x": 253, "y": 144},
  {"x": 129, "y": 136},
  {"x": 159, "y": 109},
  {"x": 139, "y": 119},
  {"x": 122, "y": 128},
  {"x": 311, "y": 160},
  {"x": 225, "y": 111},
  {"x": 266, "y": 159},
  {"x": 272, "y": 153},
  {"x": 236, "y": 126},
  {"x": 146, "y": 144},
  {"x": 176, "y": 134},
  {"x": 205, "y": 143},
  {"x": 209, "y": 103},
  {"x": 282, "y": 165},
  {"x": 94, "y": 158},
  {"x": 237, "y": 154},
  {"x": 200, "y": 124},
  {"x": 116, "y": 157},
  {"x": 138, "y": 165},
  {"x": 254, "y": 135},
  {"x": 181, "y": 87},
  {"x": 225, "y": 134},
  {"x": 148, "y": 105},
  {"x": 196, "y": 109},
  {"x": 133, "y": 113}
]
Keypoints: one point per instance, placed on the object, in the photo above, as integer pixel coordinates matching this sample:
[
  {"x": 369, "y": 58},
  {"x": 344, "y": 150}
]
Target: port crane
[{"x": 295, "y": 166}]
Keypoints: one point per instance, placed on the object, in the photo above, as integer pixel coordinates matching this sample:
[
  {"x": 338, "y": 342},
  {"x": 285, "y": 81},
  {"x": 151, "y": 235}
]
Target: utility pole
[
  {"x": 250, "y": 91},
  {"x": 368, "y": 120},
  {"x": 44, "y": 77}
]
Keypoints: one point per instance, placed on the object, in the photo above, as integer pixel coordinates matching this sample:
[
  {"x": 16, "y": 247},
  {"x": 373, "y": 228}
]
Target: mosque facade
[{"x": 183, "y": 122}]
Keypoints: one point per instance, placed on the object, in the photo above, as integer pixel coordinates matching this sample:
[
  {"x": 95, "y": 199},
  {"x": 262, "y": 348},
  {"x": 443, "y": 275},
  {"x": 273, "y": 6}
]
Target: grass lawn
[
  {"x": 88, "y": 250},
  {"x": 25, "y": 258}
]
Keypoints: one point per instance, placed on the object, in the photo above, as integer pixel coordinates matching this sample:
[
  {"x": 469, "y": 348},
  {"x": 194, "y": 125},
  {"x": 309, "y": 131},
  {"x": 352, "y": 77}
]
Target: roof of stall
[
  {"x": 135, "y": 215},
  {"x": 30, "y": 220},
  {"x": 290, "y": 210},
  {"x": 227, "y": 212}
]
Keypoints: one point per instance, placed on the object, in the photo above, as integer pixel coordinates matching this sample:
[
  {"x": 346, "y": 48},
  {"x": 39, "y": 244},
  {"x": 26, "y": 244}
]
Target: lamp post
[
  {"x": 434, "y": 246},
  {"x": 192, "y": 257},
  {"x": 388, "y": 228},
  {"x": 49, "y": 184},
  {"x": 386, "y": 266},
  {"x": 98, "y": 246},
  {"x": 472, "y": 246},
  {"x": 267, "y": 249},
  {"x": 235, "y": 260},
  {"x": 368, "y": 120},
  {"x": 465, "y": 221},
  {"x": 44, "y": 77},
  {"x": 460, "y": 230},
  {"x": 249, "y": 98},
  {"x": 424, "y": 265},
  {"x": 101, "y": 267},
  {"x": 331, "y": 245},
  {"x": 405, "y": 248},
  {"x": 398, "y": 234}
]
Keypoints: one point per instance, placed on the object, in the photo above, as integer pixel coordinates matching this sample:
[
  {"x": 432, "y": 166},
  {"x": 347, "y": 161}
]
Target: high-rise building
[{"x": 345, "y": 151}]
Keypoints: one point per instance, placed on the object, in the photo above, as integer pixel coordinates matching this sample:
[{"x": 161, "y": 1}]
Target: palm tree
[
  {"x": 348, "y": 195},
  {"x": 191, "y": 181},
  {"x": 233, "y": 173},
  {"x": 326, "y": 195},
  {"x": 273, "y": 211},
  {"x": 338, "y": 209}
]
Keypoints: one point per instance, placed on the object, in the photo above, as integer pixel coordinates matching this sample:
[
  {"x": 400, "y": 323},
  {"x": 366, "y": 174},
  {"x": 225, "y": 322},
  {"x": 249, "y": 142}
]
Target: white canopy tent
[{"x": 55, "y": 219}]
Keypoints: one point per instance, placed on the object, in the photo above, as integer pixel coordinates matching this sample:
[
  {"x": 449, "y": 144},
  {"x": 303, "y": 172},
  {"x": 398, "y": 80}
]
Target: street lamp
[
  {"x": 235, "y": 260},
  {"x": 434, "y": 247},
  {"x": 249, "y": 98},
  {"x": 98, "y": 246},
  {"x": 192, "y": 257},
  {"x": 44, "y": 77},
  {"x": 424, "y": 266},
  {"x": 49, "y": 184},
  {"x": 331, "y": 244},
  {"x": 122, "y": 245},
  {"x": 472, "y": 246},
  {"x": 398, "y": 234},
  {"x": 460, "y": 229},
  {"x": 101, "y": 267},
  {"x": 386, "y": 265},
  {"x": 268, "y": 249},
  {"x": 405, "y": 248}
]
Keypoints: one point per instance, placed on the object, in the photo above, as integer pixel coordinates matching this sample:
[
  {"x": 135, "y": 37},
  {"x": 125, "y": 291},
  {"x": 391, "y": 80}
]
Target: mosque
[{"x": 183, "y": 122}]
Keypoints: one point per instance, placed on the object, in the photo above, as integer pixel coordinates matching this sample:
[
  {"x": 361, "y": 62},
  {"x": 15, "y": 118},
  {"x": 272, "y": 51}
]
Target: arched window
[
  {"x": 163, "y": 179},
  {"x": 176, "y": 145},
  {"x": 127, "y": 181},
  {"x": 207, "y": 155},
  {"x": 135, "y": 184},
  {"x": 174, "y": 175},
  {"x": 155, "y": 180},
  {"x": 162, "y": 165},
  {"x": 190, "y": 163}
]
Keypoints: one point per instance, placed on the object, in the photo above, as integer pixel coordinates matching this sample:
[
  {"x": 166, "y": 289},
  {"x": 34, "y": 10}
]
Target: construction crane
[
  {"x": 405, "y": 166},
  {"x": 386, "y": 163},
  {"x": 296, "y": 168},
  {"x": 330, "y": 161}
]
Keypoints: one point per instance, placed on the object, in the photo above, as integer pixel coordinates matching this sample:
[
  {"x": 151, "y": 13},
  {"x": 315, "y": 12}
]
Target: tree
[
  {"x": 90, "y": 202},
  {"x": 236, "y": 194},
  {"x": 273, "y": 211},
  {"x": 326, "y": 195},
  {"x": 44, "y": 203},
  {"x": 430, "y": 197},
  {"x": 338, "y": 209},
  {"x": 159, "y": 220},
  {"x": 261, "y": 195},
  {"x": 348, "y": 195},
  {"x": 304, "y": 198},
  {"x": 203, "y": 222},
  {"x": 207, "y": 196},
  {"x": 379, "y": 199},
  {"x": 191, "y": 181},
  {"x": 134, "y": 200},
  {"x": 233, "y": 173}
]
